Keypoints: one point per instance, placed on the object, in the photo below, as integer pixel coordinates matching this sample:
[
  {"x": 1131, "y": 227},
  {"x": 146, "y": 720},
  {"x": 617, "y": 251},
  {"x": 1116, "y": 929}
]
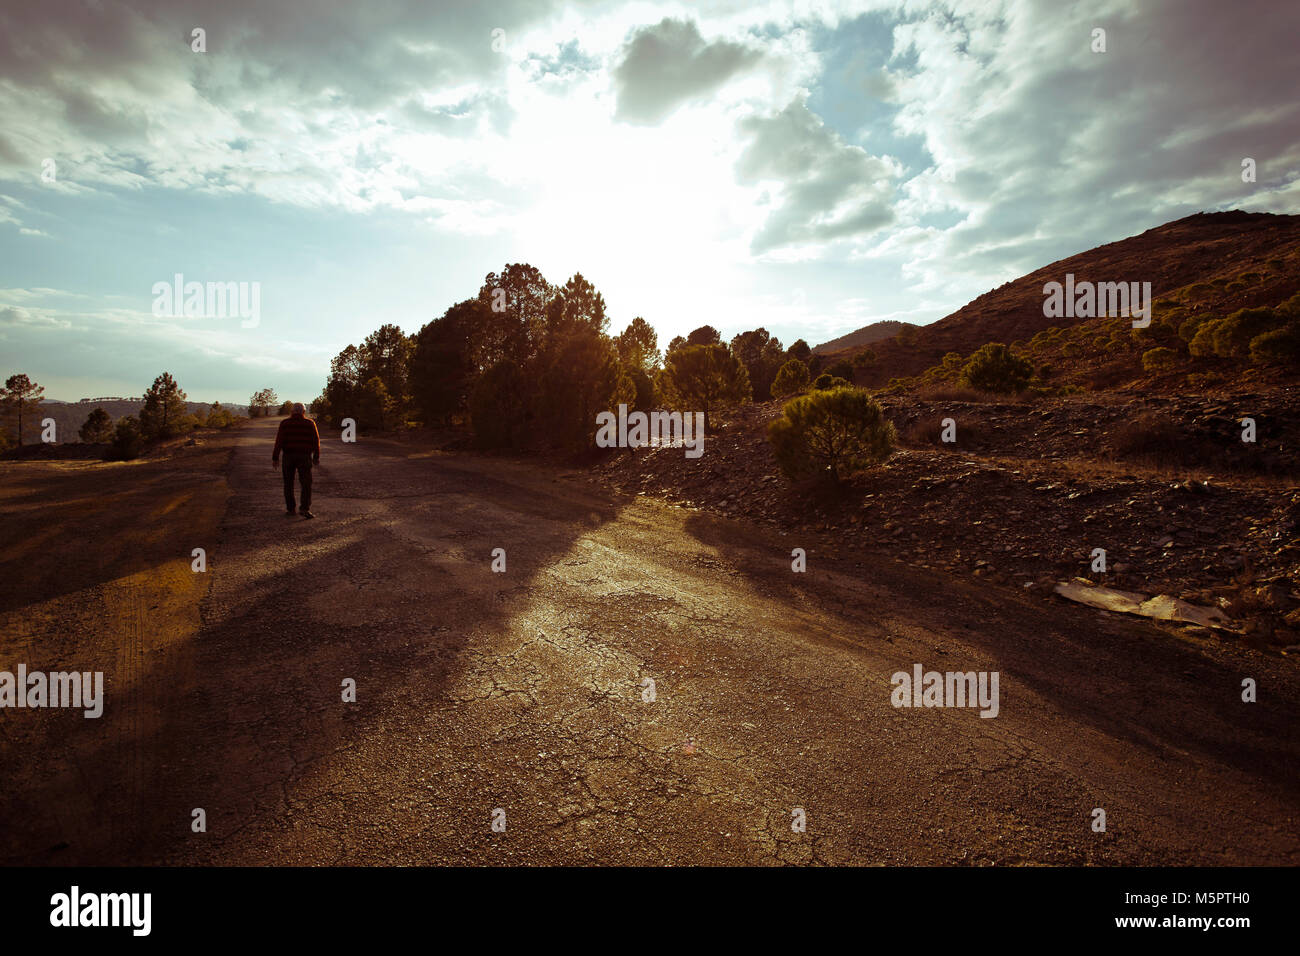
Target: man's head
[{"x": 298, "y": 409}]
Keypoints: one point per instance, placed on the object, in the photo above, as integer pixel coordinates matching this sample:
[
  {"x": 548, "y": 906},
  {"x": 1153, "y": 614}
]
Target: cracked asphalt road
[{"x": 524, "y": 690}]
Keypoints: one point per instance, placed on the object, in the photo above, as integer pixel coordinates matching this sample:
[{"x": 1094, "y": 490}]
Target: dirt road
[{"x": 525, "y": 692}]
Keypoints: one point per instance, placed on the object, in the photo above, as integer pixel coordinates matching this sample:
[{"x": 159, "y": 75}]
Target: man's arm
[
  {"x": 316, "y": 434},
  {"x": 279, "y": 440}
]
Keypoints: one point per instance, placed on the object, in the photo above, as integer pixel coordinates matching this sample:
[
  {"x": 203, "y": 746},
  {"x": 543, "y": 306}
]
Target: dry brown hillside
[
  {"x": 863, "y": 336},
  {"x": 1207, "y": 252}
]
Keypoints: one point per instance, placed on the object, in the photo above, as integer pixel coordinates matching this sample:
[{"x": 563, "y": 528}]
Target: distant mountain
[
  {"x": 863, "y": 336},
  {"x": 1208, "y": 252}
]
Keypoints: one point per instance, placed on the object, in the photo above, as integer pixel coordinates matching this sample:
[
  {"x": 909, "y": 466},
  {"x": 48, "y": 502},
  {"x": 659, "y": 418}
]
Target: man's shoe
[
  {"x": 306, "y": 514},
  {"x": 289, "y": 512}
]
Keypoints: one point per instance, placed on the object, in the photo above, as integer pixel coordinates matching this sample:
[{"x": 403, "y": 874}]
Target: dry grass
[
  {"x": 949, "y": 392},
  {"x": 1165, "y": 447},
  {"x": 1150, "y": 439},
  {"x": 927, "y": 432}
]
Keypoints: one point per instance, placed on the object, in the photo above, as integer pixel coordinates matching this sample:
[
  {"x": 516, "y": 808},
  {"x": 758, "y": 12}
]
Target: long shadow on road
[{"x": 388, "y": 587}]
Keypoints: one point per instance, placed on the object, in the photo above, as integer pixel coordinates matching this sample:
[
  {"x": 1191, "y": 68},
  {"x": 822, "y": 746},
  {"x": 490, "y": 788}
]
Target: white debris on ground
[{"x": 1162, "y": 607}]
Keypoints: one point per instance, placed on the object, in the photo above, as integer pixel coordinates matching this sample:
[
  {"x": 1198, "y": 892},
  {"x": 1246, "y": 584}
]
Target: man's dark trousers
[{"x": 301, "y": 463}]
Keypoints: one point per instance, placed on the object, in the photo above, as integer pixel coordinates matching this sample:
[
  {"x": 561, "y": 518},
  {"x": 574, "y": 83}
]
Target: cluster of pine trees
[
  {"x": 264, "y": 401},
  {"x": 529, "y": 363},
  {"x": 162, "y": 415}
]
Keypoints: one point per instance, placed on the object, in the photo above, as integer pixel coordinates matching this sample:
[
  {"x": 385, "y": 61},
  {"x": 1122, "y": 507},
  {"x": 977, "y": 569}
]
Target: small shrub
[
  {"x": 1188, "y": 328},
  {"x": 1201, "y": 344},
  {"x": 947, "y": 370},
  {"x": 995, "y": 368},
  {"x": 827, "y": 381},
  {"x": 1232, "y": 336},
  {"x": 792, "y": 379},
  {"x": 219, "y": 417},
  {"x": 1166, "y": 330},
  {"x": 1277, "y": 346},
  {"x": 831, "y": 434},
  {"x": 1159, "y": 360},
  {"x": 127, "y": 439}
]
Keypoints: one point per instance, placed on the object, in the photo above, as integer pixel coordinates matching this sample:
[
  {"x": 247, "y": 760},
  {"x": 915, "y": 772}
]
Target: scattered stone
[{"x": 1040, "y": 501}]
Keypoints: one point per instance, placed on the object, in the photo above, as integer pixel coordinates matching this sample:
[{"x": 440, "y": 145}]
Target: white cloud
[
  {"x": 13, "y": 315},
  {"x": 668, "y": 64},
  {"x": 677, "y": 155},
  {"x": 1041, "y": 147},
  {"x": 828, "y": 189}
]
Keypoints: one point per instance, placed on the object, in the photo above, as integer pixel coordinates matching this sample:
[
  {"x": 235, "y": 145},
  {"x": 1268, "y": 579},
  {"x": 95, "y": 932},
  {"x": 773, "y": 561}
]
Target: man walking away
[{"x": 300, "y": 442}]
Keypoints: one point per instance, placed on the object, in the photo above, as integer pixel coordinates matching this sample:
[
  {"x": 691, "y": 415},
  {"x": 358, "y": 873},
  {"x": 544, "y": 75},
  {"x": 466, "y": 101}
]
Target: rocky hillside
[{"x": 1211, "y": 263}]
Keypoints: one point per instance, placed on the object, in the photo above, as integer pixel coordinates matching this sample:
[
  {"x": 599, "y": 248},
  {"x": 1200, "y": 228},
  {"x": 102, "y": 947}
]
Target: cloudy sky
[{"x": 807, "y": 167}]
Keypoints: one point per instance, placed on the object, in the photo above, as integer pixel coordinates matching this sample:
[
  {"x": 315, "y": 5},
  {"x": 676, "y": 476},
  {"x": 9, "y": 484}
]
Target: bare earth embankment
[{"x": 1028, "y": 490}]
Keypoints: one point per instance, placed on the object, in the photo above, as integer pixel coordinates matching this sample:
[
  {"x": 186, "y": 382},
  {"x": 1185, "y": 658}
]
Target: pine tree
[
  {"x": 164, "y": 404},
  {"x": 638, "y": 346},
  {"x": 702, "y": 377},
  {"x": 98, "y": 427},
  {"x": 21, "y": 396}
]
